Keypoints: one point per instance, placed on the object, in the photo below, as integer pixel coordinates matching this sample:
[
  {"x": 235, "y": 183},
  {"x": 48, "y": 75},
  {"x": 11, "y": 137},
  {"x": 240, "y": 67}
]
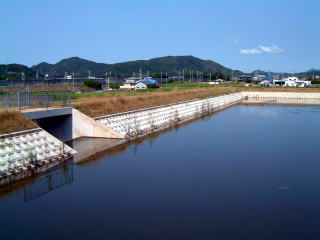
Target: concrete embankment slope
[
  {"x": 144, "y": 121},
  {"x": 23, "y": 152}
]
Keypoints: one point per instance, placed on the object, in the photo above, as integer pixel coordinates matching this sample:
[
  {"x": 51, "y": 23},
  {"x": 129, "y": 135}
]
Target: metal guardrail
[{"x": 34, "y": 99}]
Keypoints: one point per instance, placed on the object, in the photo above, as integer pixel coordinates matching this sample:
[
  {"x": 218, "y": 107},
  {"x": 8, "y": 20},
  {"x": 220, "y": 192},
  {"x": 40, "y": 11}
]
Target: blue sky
[{"x": 277, "y": 35}]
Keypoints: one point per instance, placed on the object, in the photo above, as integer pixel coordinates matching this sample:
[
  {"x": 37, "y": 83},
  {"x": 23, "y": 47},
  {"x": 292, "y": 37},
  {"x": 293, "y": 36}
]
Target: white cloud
[
  {"x": 262, "y": 49},
  {"x": 271, "y": 49},
  {"x": 233, "y": 40},
  {"x": 252, "y": 51}
]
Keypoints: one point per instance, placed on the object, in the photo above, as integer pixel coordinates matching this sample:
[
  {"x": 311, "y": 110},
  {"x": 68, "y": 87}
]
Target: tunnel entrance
[{"x": 58, "y": 126}]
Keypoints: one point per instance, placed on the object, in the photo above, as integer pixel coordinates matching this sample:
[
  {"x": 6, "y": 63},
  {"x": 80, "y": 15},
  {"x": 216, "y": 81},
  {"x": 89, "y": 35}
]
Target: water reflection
[
  {"x": 49, "y": 182},
  {"x": 89, "y": 146},
  {"x": 40, "y": 184}
]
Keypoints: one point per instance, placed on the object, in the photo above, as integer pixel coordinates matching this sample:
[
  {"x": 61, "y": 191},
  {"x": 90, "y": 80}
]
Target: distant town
[{"x": 147, "y": 80}]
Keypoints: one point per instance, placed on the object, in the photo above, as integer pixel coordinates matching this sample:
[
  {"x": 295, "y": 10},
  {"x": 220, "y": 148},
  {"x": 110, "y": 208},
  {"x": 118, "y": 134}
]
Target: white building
[
  {"x": 265, "y": 83},
  {"x": 295, "y": 82},
  {"x": 291, "y": 79},
  {"x": 277, "y": 82},
  {"x": 289, "y": 83},
  {"x": 130, "y": 83},
  {"x": 258, "y": 77},
  {"x": 127, "y": 86},
  {"x": 141, "y": 85},
  {"x": 303, "y": 83}
]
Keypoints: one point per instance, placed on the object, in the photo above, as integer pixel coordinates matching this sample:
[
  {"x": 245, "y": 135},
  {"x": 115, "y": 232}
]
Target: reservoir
[{"x": 248, "y": 172}]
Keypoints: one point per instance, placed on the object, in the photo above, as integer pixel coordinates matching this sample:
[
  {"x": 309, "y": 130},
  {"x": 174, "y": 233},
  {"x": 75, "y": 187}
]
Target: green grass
[
  {"x": 119, "y": 92},
  {"x": 163, "y": 88}
]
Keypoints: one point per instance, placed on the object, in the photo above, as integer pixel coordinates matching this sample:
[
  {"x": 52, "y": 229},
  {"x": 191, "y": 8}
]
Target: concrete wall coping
[
  {"x": 45, "y": 113},
  {"x": 14, "y": 134}
]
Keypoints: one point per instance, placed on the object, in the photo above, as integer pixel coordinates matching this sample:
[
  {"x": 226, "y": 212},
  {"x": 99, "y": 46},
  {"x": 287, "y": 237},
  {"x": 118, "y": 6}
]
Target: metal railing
[
  {"x": 51, "y": 82},
  {"x": 34, "y": 99}
]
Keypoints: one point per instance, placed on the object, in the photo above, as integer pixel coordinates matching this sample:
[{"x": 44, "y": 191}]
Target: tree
[{"x": 92, "y": 84}]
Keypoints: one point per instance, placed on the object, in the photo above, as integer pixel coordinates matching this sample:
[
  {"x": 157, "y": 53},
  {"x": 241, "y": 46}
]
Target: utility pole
[
  {"x": 313, "y": 77},
  {"x": 166, "y": 78},
  {"x": 65, "y": 78},
  {"x": 107, "y": 81},
  {"x": 161, "y": 77},
  {"x": 73, "y": 82}
]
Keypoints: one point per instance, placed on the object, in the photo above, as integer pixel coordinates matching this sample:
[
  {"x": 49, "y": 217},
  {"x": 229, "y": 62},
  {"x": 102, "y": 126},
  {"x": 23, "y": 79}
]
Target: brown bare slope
[{"x": 14, "y": 121}]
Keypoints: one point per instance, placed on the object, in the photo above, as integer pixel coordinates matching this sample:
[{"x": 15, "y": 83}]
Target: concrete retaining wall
[{"x": 84, "y": 126}]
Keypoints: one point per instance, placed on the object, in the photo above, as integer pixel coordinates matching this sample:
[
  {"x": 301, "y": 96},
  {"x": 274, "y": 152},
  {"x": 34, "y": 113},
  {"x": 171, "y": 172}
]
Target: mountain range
[
  {"x": 169, "y": 64},
  {"x": 81, "y": 67},
  {"x": 173, "y": 65}
]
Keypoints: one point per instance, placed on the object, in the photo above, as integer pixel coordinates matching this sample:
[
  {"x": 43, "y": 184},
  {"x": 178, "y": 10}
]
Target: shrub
[
  {"x": 92, "y": 84},
  {"x": 315, "y": 81},
  {"x": 115, "y": 85}
]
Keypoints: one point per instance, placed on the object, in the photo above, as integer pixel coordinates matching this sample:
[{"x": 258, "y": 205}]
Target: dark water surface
[{"x": 250, "y": 172}]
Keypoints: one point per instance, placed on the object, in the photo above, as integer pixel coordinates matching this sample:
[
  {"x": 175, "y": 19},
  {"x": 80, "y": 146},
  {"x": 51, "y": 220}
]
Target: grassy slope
[
  {"x": 14, "y": 121},
  {"x": 95, "y": 106}
]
